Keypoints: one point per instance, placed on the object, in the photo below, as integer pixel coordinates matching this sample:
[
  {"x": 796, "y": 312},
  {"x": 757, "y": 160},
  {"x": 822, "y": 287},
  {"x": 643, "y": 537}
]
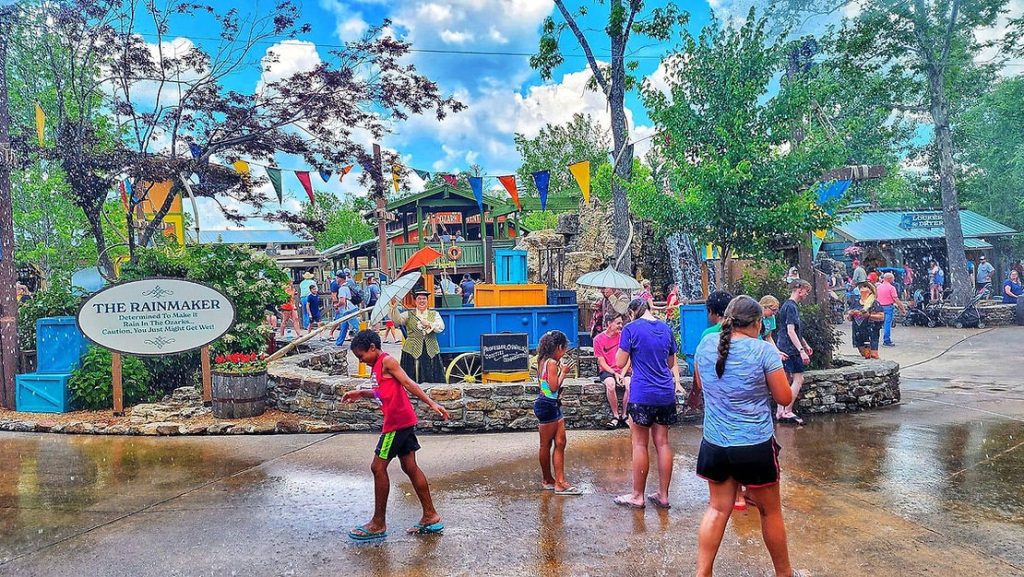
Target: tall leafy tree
[
  {"x": 990, "y": 138},
  {"x": 926, "y": 50},
  {"x": 174, "y": 117},
  {"x": 628, "y": 21},
  {"x": 334, "y": 220},
  {"x": 738, "y": 178}
]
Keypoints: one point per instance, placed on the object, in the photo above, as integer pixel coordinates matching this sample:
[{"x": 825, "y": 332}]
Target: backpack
[{"x": 357, "y": 295}]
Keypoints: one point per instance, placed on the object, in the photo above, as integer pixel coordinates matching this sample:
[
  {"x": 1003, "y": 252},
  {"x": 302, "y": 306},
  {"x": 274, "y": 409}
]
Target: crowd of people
[{"x": 743, "y": 365}]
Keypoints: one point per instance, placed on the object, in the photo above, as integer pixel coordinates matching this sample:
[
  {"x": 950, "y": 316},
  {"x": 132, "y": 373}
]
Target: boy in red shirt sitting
[{"x": 398, "y": 438}]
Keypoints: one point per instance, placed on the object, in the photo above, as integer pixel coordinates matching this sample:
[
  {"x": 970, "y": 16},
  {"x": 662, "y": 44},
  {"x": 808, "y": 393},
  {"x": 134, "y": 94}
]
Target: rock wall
[
  {"x": 296, "y": 387},
  {"x": 993, "y": 314}
]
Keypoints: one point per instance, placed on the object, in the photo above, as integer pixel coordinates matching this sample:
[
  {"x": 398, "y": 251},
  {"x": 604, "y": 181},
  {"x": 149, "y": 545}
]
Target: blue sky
[{"x": 503, "y": 94}]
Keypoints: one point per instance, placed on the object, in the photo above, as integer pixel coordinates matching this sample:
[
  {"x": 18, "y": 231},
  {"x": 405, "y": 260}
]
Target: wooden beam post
[
  {"x": 115, "y": 369},
  {"x": 207, "y": 376},
  {"x": 382, "y": 204}
]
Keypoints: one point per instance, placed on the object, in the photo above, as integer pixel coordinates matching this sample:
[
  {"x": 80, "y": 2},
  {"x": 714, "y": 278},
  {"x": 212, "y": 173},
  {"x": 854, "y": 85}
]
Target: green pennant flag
[
  {"x": 422, "y": 174},
  {"x": 274, "y": 174}
]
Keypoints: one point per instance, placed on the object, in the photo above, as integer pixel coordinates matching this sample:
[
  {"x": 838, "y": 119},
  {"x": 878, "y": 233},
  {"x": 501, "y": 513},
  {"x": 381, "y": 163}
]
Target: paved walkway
[{"x": 931, "y": 487}]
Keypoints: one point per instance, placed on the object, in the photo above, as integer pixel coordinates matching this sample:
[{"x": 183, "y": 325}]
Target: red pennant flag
[
  {"x": 450, "y": 179},
  {"x": 509, "y": 182},
  {"x": 303, "y": 176},
  {"x": 343, "y": 172},
  {"x": 124, "y": 195}
]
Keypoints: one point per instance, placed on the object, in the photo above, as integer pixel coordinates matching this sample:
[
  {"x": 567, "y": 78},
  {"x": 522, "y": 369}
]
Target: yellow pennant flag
[
  {"x": 241, "y": 166},
  {"x": 394, "y": 174},
  {"x": 581, "y": 172},
  {"x": 820, "y": 234},
  {"x": 40, "y": 123}
]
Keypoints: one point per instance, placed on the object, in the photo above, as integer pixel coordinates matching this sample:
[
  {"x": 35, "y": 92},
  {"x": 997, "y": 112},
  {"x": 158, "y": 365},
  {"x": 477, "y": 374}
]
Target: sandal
[
  {"x": 361, "y": 533},
  {"x": 547, "y": 487},
  {"x": 653, "y": 498},
  {"x": 569, "y": 491},
  {"x": 625, "y": 503},
  {"x": 431, "y": 529}
]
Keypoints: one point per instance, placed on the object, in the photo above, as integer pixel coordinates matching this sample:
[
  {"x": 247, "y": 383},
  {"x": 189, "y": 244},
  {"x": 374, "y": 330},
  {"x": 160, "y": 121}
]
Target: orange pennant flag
[
  {"x": 581, "y": 172},
  {"x": 509, "y": 182},
  {"x": 343, "y": 172},
  {"x": 40, "y": 124}
]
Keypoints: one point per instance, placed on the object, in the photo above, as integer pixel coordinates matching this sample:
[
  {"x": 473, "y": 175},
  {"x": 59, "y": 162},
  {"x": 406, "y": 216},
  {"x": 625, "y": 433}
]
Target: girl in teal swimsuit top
[{"x": 548, "y": 409}]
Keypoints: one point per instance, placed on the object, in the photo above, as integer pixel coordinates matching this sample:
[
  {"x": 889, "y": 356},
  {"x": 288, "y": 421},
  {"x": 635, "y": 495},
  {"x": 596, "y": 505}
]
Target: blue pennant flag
[
  {"x": 196, "y": 151},
  {"x": 540, "y": 180},
  {"x": 477, "y": 184},
  {"x": 128, "y": 189},
  {"x": 325, "y": 174}
]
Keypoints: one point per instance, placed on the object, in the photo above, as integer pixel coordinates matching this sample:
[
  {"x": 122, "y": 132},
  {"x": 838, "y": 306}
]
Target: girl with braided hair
[{"x": 740, "y": 375}]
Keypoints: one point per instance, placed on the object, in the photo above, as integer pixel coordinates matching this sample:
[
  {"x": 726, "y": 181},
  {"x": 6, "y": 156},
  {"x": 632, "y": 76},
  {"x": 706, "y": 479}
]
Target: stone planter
[{"x": 239, "y": 396}]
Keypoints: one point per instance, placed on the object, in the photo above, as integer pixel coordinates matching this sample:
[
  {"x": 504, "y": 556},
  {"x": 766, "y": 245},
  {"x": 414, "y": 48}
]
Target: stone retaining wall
[
  {"x": 993, "y": 314},
  {"x": 297, "y": 387}
]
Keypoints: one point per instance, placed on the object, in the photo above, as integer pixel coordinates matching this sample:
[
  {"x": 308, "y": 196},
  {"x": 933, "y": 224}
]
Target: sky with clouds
[
  {"x": 489, "y": 72},
  {"x": 483, "y": 61}
]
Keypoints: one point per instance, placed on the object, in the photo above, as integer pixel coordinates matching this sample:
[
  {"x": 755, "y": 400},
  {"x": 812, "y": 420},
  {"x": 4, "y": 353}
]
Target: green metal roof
[
  {"x": 976, "y": 244},
  {"x": 892, "y": 225},
  {"x": 449, "y": 192}
]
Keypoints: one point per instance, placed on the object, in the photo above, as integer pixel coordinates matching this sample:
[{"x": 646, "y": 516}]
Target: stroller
[
  {"x": 971, "y": 315},
  {"x": 919, "y": 314}
]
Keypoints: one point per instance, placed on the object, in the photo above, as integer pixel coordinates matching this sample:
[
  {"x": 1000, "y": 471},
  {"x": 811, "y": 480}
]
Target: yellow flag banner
[
  {"x": 394, "y": 174},
  {"x": 40, "y": 123},
  {"x": 241, "y": 166},
  {"x": 581, "y": 172}
]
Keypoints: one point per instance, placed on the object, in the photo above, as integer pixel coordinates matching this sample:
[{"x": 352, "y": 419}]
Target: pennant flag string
[
  {"x": 541, "y": 179},
  {"x": 509, "y": 182},
  {"x": 274, "y": 174},
  {"x": 581, "y": 172},
  {"x": 40, "y": 124},
  {"x": 477, "y": 184},
  {"x": 303, "y": 177}
]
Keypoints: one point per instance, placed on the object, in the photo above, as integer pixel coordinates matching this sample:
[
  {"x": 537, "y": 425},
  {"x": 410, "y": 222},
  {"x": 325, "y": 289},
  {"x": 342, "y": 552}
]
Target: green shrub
[
  {"x": 55, "y": 301},
  {"x": 820, "y": 333},
  {"x": 91, "y": 384},
  {"x": 168, "y": 372}
]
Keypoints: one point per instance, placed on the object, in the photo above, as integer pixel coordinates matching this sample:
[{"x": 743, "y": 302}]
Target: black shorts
[
  {"x": 397, "y": 443},
  {"x": 547, "y": 410},
  {"x": 314, "y": 315},
  {"x": 751, "y": 465},
  {"x": 794, "y": 364},
  {"x": 647, "y": 415}
]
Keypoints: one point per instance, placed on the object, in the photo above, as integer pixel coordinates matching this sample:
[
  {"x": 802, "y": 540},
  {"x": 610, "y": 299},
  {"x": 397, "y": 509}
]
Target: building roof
[
  {"x": 445, "y": 191},
  {"x": 251, "y": 236},
  {"x": 894, "y": 225}
]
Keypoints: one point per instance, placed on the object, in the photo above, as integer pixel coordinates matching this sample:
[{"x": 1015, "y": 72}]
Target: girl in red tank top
[{"x": 394, "y": 402}]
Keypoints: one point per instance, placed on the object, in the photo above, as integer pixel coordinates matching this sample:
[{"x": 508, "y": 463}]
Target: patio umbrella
[
  {"x": 608, "y": 278},
  {"x": 395, "y": 290},
  {"x": 422, "y": 257}
]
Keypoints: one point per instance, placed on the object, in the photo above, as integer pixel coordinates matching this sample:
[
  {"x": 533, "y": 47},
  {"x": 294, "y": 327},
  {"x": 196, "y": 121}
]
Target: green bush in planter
[
  {"x": 91, "y": 384},
  {"x": 55, "y": 301}
]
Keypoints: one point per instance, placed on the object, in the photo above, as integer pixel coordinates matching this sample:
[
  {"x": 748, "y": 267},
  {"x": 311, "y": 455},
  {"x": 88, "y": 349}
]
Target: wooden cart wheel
[{"x": 465, "y": 368}]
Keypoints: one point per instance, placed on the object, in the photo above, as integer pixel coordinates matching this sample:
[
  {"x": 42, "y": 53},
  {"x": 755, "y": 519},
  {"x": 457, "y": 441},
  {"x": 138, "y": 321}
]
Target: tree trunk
[
  {"x": 95, "y": 218},
  {"x": 956, "y": 259},
  {"x": 624, "y": 167},
  {"x": 8, "y": 300}
]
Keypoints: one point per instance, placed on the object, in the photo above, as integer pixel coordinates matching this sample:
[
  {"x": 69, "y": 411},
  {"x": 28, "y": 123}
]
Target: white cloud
[
  {"x": 286, "y": 58},
  {"x": 350, "y": 24},
  {"x": 455, "y": 37},
  {"x": 1014, "y": 9}
]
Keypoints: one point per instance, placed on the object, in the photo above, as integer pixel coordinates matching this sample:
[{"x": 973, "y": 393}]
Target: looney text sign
[{"x": 157, "y": 316}]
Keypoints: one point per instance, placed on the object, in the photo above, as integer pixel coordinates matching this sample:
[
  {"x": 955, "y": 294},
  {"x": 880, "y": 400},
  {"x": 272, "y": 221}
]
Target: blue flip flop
[
  {"x": 361, "y": 533},
  {"x": 432, "y": 529}
]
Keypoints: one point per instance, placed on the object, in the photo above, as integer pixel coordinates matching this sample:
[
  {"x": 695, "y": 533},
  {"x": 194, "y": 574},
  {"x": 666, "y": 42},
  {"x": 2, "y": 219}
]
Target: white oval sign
[{"x": 156, "y": 316}]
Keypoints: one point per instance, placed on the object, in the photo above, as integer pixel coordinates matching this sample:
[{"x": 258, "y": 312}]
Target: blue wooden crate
[
  {"x": 36, "y": 393},
  {"x": 59, "y": 345},
  {"x": 510, "y": 266},
  {"x": 561, "y": 297},
  {"x": 693, "y": 320}
]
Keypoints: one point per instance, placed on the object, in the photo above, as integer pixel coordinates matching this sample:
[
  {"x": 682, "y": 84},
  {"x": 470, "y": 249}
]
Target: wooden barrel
[{"x": 239, "y": 396}]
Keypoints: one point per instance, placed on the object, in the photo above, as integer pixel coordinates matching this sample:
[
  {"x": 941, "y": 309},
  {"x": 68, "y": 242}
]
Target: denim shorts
[
  {"x": 547, "y": 410},
  {"x": 646, "y": 415}
]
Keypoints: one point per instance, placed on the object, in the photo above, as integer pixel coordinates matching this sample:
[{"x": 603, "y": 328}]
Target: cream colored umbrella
[{"x": 609, "y": 278}]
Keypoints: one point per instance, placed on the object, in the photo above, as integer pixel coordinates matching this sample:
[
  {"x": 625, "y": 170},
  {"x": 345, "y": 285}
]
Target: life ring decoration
[{"x": 454, "y": 252}]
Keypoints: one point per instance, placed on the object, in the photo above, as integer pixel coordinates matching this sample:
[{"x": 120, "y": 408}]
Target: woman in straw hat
[{"x": 867, "y": 316}]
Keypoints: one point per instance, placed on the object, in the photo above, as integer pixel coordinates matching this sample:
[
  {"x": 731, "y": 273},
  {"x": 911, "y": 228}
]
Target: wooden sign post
[
  {"x": 207, "y": 377},
  {"x": 115, "y": 369}
]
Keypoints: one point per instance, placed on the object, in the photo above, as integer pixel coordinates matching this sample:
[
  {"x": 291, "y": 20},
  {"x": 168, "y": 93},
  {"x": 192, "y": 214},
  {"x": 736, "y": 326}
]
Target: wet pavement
[{"x": 931, "y": 487}]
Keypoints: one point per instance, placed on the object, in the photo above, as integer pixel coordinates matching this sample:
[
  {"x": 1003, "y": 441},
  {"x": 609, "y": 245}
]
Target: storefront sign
[
  {"x": 447, "y": 217},
  {"x": 158, "y": 316},
  {"x": 921, "y": 220}
]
